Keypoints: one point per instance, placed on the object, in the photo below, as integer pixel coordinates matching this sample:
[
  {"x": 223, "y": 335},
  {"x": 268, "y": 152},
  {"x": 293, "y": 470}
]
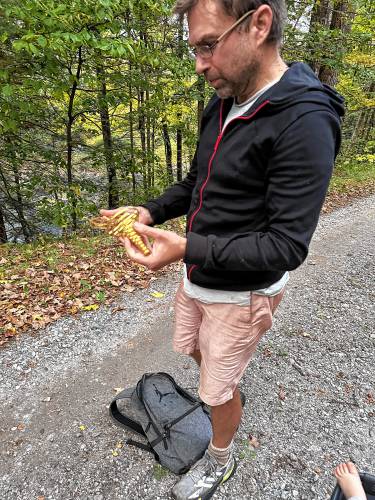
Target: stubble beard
[{"x": 244, "y": 84}]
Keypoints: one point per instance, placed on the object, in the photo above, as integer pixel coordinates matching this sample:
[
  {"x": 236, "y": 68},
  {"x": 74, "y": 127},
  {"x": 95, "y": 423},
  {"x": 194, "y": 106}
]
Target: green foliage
[
  {"x": 86, "y": 86},
  {"x": 159, "y": 472}
]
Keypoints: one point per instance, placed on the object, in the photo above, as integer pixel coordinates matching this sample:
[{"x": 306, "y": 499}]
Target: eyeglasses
[{"x": 207, "y": 51}]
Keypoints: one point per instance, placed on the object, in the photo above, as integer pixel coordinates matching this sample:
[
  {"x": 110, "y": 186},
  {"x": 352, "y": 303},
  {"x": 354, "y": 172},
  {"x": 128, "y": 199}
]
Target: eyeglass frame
[{"x": 211, "y": 48}]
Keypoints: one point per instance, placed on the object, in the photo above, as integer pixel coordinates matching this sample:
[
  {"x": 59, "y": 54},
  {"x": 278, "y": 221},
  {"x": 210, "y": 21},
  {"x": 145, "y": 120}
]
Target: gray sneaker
[{"x": 202, "y": 480}]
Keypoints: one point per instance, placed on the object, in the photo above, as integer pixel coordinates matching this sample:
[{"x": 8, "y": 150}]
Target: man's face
[{"x": 233, "y": 66}]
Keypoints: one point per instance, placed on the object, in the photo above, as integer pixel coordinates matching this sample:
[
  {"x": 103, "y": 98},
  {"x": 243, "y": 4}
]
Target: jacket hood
[{"x": 300, "y": 84}]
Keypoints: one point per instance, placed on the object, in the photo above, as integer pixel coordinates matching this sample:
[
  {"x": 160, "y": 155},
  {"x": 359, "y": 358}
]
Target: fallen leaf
[
  {"x": 267, "y": 353},
  {"x": 118, "y": 309},
  {"x": 91, "y": 307},
  {"x": 114, "y": 453},
  {"x": 282, "y": 393},
  {"x": 370, "y": 399},
  {"x": 82, "y": 427},
  {"x": 253, "y": 441},
  {"x": 157, "y": 295},
  {"x": 118, "y": 389},
  {"x": 21, "y": 427}
]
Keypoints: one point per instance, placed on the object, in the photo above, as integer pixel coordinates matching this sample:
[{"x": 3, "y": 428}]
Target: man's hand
[
  {"x": 167, "y": 247},
  {"x": 144, "y": 214}
]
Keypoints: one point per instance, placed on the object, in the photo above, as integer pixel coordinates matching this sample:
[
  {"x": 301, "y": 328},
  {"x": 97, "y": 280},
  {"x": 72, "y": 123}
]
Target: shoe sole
[{"x": 227, "y": 476}]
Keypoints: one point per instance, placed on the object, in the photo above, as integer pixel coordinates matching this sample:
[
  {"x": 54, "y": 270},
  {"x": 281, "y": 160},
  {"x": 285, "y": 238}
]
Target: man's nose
[{"x": 201, "y": 65}]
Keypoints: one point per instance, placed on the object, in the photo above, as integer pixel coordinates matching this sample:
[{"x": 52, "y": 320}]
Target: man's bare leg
[{"x": 225, "y": 418}]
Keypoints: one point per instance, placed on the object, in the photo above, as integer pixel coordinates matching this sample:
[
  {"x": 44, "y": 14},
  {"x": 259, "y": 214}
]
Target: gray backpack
[{"x": 175, "y": 424}]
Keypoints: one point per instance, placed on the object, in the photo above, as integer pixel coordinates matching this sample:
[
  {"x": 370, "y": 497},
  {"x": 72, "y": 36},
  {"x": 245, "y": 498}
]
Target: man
[{"x": 252, "y": 197}]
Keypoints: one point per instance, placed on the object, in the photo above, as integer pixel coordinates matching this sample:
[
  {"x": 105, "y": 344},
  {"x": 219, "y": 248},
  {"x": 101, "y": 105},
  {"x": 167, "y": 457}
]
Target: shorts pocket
[{"x": 260, "y": 314}]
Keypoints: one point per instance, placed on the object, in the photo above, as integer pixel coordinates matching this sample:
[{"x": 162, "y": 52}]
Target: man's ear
[{"x": 261, "y": 24}]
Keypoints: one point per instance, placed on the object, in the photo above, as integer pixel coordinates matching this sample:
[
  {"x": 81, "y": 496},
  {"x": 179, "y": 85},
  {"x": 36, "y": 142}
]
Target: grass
[
  {"x": 246, "y": 451},
  {"x": 349, "y": 175},
  {"x": 159, "y": 472},
  {"x": 351, "y": 179}
]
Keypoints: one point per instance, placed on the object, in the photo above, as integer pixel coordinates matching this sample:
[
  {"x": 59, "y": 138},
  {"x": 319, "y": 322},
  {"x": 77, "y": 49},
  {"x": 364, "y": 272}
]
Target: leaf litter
[{"x": 41, "y": 283}]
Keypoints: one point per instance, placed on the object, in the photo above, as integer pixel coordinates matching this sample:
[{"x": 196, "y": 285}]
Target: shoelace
[{"x": 198, "y": 471}]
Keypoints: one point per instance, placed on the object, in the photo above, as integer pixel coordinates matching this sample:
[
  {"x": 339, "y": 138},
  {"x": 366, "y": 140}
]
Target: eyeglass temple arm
[{"x": 239, "y": 21}]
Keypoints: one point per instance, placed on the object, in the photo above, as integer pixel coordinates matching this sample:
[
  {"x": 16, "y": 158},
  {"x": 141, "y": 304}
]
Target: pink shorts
[{"x": 226, "y": 336}]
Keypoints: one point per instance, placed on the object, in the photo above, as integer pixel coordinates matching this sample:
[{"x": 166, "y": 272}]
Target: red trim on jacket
[{"x": 214, "y": 153}]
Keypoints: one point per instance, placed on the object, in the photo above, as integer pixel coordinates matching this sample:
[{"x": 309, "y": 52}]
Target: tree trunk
[
  {"x": 113, "y": 194},
  {"x": 179, "y": 154},
  {"x": 142, "y": 132},
  {"x": 148, "y": 142},
  {"x": 320, "y": 16},
  {"x": 180, "y": 55},
  {"x": 131, "y": 132},
  {"x": 168, "y": 153},
  {"x": 153, "y": 153},
  {"x": 19, "y": 205},
  {"x": 365, "y": 121},
  {"x": 3, "y": 233},
  {"x": 342, "y": 21},
  {"x": 69, "y": 143}
]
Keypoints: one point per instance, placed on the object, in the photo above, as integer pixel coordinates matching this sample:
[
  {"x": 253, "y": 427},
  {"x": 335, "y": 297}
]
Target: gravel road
[{"x": 310, "y": 388}]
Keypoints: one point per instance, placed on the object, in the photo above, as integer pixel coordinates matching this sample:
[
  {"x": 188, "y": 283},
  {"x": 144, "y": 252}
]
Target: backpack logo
[{"x": 160, "y": 394}]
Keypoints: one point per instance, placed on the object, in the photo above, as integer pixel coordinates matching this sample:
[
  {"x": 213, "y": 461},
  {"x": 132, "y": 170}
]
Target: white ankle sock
[{"x": 221, "y": 455}]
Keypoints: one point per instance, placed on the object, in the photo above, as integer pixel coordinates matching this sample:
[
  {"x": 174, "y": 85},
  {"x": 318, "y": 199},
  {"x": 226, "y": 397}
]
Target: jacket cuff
[
  {"x": 156, "y": 212},
  {"x": 196, "y": 249}
]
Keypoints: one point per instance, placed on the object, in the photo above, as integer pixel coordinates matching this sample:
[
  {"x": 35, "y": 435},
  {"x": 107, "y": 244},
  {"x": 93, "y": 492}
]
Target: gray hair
[{"x": 237, "y": 8}]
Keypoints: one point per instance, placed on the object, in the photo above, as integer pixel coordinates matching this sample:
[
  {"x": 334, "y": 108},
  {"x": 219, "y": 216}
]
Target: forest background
[{"x": 100, "y": 106}]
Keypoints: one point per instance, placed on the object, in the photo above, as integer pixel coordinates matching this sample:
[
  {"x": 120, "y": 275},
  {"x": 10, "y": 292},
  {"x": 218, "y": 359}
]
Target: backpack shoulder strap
[
  {"x": 142, "y": 446},
  {"x": 122, "y": 419}
]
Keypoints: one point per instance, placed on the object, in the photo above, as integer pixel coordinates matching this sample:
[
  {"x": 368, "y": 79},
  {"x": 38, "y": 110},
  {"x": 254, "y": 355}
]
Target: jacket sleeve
[
  {"x": 298, "y": 175},
  {"x": 175, "y": 201}
]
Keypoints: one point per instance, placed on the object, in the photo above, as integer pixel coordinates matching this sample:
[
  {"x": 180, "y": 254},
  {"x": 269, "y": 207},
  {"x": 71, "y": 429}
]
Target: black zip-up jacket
[{"x": 254, "y": 192}]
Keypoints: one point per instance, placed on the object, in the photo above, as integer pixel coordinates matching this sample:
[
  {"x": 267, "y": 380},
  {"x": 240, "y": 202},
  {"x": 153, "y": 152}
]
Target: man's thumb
[{"x": 147, "y": 230}]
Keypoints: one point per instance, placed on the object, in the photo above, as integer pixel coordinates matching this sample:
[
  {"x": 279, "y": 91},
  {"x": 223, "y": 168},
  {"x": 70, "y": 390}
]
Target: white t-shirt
[{"x": 207, "y": 295}]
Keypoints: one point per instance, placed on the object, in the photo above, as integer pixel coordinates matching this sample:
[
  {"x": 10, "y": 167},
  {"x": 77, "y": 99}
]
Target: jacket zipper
[{"x": 218, "y": 140}]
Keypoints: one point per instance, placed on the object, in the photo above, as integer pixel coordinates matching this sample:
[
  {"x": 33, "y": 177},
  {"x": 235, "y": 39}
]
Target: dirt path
[{"x": 310, "y": 388}]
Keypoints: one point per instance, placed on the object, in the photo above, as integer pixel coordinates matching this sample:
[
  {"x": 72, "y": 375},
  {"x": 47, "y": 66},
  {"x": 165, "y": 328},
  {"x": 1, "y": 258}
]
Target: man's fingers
[
  {"x": 146, "y": 241},
  {"x": 108, "y": 213},
  {"x": 130, "y": 248},
  {"x": 133, "y": 252},
  {"x": 151, "y": 232}
]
